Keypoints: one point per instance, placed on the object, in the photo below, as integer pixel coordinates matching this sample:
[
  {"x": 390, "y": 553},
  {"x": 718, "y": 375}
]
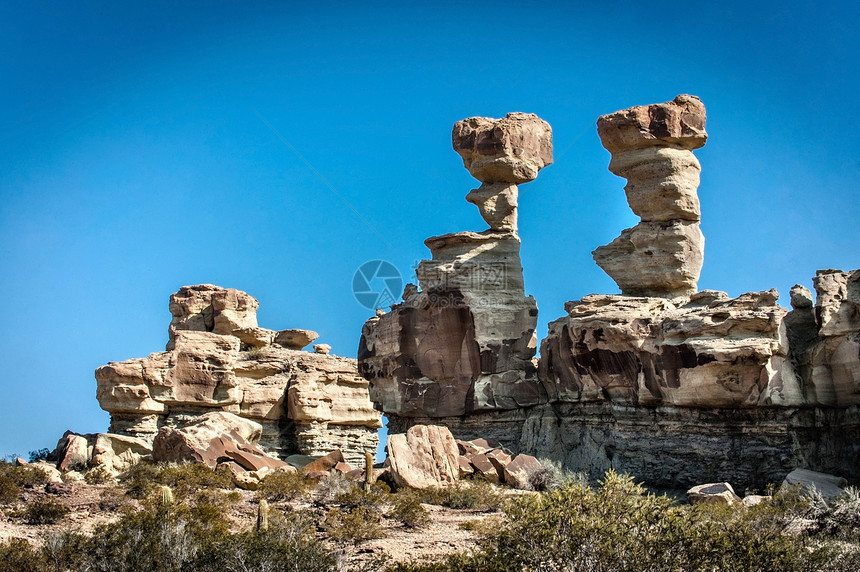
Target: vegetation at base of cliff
[
  {"x": 619, "y": 527},
  {"x": 161, "y": 537}
]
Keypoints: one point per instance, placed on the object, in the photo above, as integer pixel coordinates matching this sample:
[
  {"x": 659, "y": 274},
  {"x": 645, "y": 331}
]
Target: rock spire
[{"x": 652, "y": 147}]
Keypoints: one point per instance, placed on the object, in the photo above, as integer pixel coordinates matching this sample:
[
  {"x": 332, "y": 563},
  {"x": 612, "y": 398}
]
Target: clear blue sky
[{"x": 134, "y": 160}]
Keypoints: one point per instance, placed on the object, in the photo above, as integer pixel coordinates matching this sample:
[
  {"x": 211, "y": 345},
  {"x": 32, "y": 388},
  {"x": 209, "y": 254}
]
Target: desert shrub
[
  {"x": 290, "y": 543},
  {"x": 474, "y": 494},
  {"x": 620, "y": 527},
  {"x": 375, "y": 499},
  {"x": 552, "y": 476},
  {"x": 283, "y": 486},
  {"x": 187, "y": 478},
  {"x": 38, "y": 455},
  {"x": 22, "y": 476},
  {"x": 98, "y": 476},
  {"x": 408, "y": 511},
  {"x": 9, "y": 491},
  {"x": 17, "y": 555},
  {"x": 65, "y": 550},
  {"x": 44, "y": 511},
  {"x": 353, "y": 524},
  {"x": 140, "y": 480},
  {"x": 333, "y": 485},
  {"x": 112, "y": 499}
]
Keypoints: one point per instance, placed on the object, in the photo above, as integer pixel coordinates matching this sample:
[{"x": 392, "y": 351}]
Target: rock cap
[
  {"x": 508, "y": 150},
  {"x": 678, "y": 123}
]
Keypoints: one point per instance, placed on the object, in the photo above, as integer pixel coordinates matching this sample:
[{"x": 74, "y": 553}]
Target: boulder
[
  {"x": 51, "y": 472},
  {"x": 518, "y": 472},
  {"x": 117, "y": 453},
  {"x": 713, "y": 493},
  {"x": 484, "y": 467},
  {"x": 325, "y": 463},
  {"x": 295, "y": 339},
  {"x": 211, "y": 439},
  {"x": 322, "y": 348},
  {"x": 73, "y": 453},
  {"x": 426, "y": 456},
  {"x": 830, "y": 486}
]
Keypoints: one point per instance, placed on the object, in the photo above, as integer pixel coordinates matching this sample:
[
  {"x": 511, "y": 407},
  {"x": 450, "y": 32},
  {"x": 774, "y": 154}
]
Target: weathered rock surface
[
  {"x": 214, "y": 438},
  {"x": 652, "y": 147},
  {"x": 713, "y": 493},
  {"x": 220, "y": 360},
  {"x": 521, "y": 469},
  {"x": 707, "y": 350},
  {"x": 508, "y": 150},
  {"x": 830, "y": 486},
  {"x": 425, "y": 456},
  {"x": 466, "y": 340}
]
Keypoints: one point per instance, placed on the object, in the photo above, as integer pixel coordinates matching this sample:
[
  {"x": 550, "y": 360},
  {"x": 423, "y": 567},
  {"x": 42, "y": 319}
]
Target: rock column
[
  {"x": 465, "y": 341},
  {"x": 652, "y": 147}
]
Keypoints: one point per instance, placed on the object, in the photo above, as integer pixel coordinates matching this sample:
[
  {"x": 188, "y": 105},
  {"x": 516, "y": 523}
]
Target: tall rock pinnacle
[{"x": 652, "y": 147}]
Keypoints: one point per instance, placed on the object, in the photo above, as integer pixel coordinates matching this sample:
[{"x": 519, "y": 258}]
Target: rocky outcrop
[
  {"x": 465, "y": 341},
  {"x": 218, "y": 359},
  {"x": 652, "y": 147},
  {"x": 706, "y": 350}
]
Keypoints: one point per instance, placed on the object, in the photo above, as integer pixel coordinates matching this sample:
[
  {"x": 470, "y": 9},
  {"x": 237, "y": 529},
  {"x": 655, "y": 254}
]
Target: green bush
[
  {"x": 333, "y": 485},
  {"x": 619, "y": 527},
  {"x": 98, "y": 476},
  {"x": 17, "y": 555},
  {"x": 22, "y": 476},
  {"x": 44, "y": 511},
  {"x": 353, "y": 524},
  {"x": 474, "y": 494},
  {"x": 187, "y": 478},
  {"x": 283, "y": 486},
  {"x": 38, "y": 455},
  {"x": 9, "y": 491},
  {"x": 408, "y": 511}
]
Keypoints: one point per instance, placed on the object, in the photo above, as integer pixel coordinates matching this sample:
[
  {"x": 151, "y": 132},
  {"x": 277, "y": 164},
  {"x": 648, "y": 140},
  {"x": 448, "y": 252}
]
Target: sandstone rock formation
[
  {"x": 713, "y": 493},
  {"x": 673, "y": 386},
  {"x": 706, "y": 350},
  {"x": 218, "y": 359},
  {"x": 502, "y": 153},
  {"x": 466, "y": 340},
  {"x": 425, "y": 456},
  {"x": 652, "y": 147}
]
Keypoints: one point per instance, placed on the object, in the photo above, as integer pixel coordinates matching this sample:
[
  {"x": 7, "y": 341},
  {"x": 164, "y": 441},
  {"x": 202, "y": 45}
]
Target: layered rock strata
[
  {"x": 465, "y": 341},
  {"x": 219, "y": 359},
  {"x": 652, "y": 147}
]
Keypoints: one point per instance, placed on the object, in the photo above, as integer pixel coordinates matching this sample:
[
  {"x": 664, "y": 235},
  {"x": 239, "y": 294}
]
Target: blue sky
[{"x": 135, "y": 157}]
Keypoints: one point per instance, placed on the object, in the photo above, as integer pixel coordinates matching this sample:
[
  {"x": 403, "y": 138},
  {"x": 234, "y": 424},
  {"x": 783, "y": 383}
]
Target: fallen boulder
[
  {"x": 713, "y": 493},
  {"x": 830, "y": 486},
  {"x": 518, "y": 473},
  {"x": 425, "y": 456}
]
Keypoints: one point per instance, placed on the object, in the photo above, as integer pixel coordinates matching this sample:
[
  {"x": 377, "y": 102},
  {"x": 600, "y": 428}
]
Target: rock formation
[
  {"x": 218, "y": 359},
  {"x": 466, "y": 340},
  {"x": 652, "y": 147},
  {"x": 674, "y": 386}
]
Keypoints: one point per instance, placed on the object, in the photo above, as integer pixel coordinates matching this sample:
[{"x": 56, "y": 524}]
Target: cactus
[
  {"x": 368, "y": 470},
  {"x": 263, "y": 516},
  {"x": 166, "y": 497}
]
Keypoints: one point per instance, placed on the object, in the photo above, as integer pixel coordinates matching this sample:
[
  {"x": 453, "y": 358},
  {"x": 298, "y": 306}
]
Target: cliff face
[
  {"x": 675, "y": 386},
  {"x": 218, "y": 359}
]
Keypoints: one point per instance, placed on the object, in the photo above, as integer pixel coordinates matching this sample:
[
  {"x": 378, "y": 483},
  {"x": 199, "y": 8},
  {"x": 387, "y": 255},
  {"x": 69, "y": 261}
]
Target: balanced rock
[
  {"x": 426, "y": 456},
  {"x": 652, "y": 147},
  {"x": 465, "y": 341},
  {"x": 502, "y": 153},
  {"x": 295, "y": 339}
]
